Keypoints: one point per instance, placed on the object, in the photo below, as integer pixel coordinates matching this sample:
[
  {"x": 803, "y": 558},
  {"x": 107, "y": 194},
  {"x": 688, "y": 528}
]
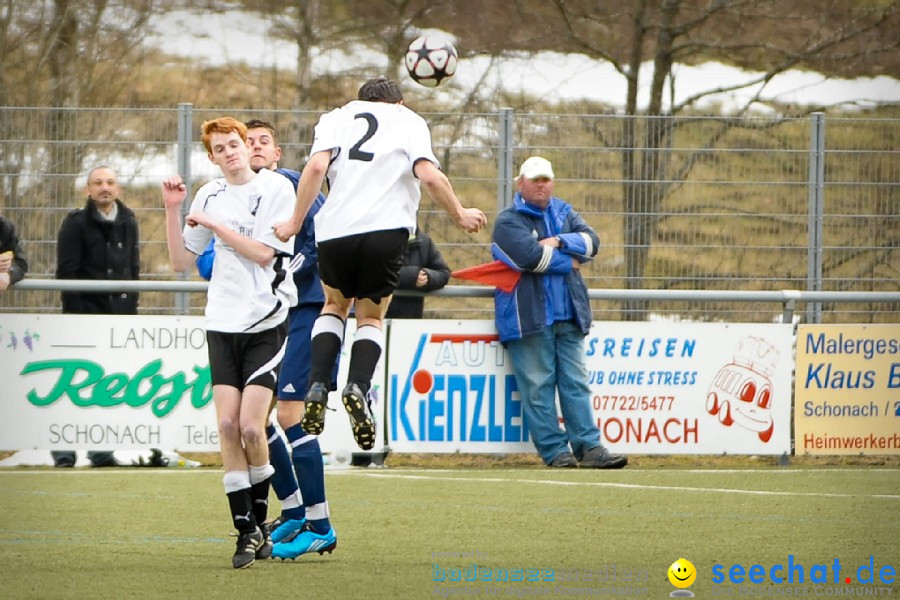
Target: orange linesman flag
[{"x": 497, "y": 274}]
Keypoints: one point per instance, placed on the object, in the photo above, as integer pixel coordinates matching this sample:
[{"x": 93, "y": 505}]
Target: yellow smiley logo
[{"x": 682, "y": 573}]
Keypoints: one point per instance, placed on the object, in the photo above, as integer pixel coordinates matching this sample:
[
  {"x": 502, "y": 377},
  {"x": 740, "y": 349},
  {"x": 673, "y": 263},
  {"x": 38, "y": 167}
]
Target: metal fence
[{"x": 680, "y": 203}]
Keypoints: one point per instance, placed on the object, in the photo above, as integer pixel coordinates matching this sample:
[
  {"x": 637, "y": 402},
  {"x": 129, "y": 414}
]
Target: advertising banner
[
  {"x": 451, "y": 389},
  {"x": 656, "y": 388},
  {"x": 847, "y": 389},
  {"x": 120, "y": 382},
  {"x": 692, "y": 388}
]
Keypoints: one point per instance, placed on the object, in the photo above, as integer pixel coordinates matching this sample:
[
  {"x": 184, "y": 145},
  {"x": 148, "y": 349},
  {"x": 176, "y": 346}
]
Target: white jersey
[
  {"x": 243, "y": 296},
  {"x": 374, "y": 146}
]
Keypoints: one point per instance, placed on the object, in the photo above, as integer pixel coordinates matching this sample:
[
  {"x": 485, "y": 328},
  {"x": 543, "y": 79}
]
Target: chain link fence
[{"x": 707, "y": 203}]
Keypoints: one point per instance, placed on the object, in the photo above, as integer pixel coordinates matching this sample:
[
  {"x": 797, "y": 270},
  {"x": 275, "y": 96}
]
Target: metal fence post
[
  {"x": 816, "y": 189},
  {"x": 185, "y": 133},
  {"x": 505, "y": 160}
]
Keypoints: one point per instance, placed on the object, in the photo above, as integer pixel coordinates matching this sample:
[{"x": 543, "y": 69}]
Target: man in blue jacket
[{"x": 543, "y": 321}]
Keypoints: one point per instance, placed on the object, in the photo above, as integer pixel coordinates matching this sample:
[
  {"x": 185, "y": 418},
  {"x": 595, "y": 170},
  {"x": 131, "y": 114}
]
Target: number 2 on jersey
[{"x": 356, "y": 152}]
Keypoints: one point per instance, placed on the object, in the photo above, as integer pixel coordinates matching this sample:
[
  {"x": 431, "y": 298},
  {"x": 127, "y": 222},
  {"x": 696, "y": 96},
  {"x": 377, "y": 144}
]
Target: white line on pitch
[{"x": 668, "y": 488}]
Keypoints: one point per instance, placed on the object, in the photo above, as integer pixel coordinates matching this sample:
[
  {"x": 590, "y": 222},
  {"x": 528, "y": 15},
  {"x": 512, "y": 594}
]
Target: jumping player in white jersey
[
  {"x": 250, "y": 292},
  {"x": 375, "y": 153}
]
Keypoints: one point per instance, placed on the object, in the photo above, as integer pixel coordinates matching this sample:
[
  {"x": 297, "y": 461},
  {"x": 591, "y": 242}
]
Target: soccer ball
[{"x": 430, "y": 60}]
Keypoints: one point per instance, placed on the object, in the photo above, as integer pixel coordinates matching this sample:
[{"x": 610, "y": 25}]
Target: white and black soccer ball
[{"x": 431, "y": 60}]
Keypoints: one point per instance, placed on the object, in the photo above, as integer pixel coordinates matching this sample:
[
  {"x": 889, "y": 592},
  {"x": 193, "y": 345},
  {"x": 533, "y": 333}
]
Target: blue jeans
[{"x": 544, "y": 363}]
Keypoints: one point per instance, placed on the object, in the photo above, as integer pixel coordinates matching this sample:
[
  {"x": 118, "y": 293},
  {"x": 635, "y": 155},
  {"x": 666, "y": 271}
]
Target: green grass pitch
[{"x": 144, "y": 533}]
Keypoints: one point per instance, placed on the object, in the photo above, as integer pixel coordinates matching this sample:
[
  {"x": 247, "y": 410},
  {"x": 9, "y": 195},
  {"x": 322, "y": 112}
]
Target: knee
[
  {"x": 283, "y": 421},
  {"x": 336, "y": 308},
  {"x": 287, "y": 420},
  {"x": 253, "y": 434},
  {"x": 228, "y": 429}
]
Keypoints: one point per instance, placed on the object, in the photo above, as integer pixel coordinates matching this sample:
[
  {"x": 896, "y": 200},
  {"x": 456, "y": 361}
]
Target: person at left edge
[
  {"x": 13, "y": 263},
  {"x": 249, "y": 295}
]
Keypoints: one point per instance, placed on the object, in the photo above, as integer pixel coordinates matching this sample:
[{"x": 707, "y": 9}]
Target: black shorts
[
  {"x": 366, "y": 265},
  {"x": 242, "y": 359}
]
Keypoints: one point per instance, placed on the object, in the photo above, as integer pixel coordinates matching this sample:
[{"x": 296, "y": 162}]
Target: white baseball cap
[{"x": 535, "y": 167}]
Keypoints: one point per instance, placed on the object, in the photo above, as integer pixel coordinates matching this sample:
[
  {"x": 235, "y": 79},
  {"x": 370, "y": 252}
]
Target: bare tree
[
  {"x": 658, "y": 34},
  {"x": 62, "y": 54}
]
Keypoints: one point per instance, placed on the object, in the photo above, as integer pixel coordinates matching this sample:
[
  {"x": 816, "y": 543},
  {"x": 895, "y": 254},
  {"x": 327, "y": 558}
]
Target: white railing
[{"x": 786, "y": 298}]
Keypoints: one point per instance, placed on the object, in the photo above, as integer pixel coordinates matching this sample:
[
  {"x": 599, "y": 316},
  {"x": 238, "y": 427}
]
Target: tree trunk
[{"x": 643, "y": 196}]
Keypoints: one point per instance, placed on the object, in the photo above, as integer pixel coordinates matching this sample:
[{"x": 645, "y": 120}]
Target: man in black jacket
[
  {"x": 99, "y": 241},
  {"x": 423, "y": 270}
]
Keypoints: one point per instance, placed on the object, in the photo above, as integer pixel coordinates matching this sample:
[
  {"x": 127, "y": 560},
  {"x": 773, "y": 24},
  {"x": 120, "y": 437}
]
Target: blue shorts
[{"x": 293, "y": 378}]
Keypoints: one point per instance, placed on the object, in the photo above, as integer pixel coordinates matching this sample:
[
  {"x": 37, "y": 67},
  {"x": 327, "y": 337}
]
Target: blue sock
[
  {"x": 284, "y": 482},
  {"x": 310, "y": 471}
]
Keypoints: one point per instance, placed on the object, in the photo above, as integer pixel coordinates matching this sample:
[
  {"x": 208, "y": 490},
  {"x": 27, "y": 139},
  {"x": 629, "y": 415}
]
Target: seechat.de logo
[
  {"x": 682, "y": 574},
  {"x": 795, "y": 572}
]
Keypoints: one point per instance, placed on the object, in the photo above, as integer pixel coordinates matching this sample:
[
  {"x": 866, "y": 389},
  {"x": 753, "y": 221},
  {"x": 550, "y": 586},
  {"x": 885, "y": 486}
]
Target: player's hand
[
  {"x": 199, "y": 218},
  {"x": 286, "y": 229},
  {"x": 471, "y": 220},
  {"x": 422, "y": 278},
  {"x": 173, "y": 192}
]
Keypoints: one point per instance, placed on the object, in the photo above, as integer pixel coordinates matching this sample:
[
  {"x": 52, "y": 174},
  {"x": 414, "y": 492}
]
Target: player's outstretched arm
[
  {"x": 247, "y": 247},
  {"x": 470, "y": 220},
  {"x": 308, "y": 188},
  {"x": 173, "y": 193}
]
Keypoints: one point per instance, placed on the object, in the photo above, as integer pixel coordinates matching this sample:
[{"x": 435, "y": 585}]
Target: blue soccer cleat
[
  {"x": 304, "y": 541},
  {"x": 281, "y": 528}
]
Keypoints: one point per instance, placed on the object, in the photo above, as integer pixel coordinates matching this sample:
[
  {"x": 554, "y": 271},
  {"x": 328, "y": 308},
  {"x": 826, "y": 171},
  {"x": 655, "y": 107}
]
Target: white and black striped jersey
[{"x": 243, "y": 296}]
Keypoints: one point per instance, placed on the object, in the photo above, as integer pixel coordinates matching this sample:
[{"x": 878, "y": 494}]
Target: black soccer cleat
[
  {"x": 264, "y": 550},
  {"x": 361, "y": 421},
  {"x": 247, "y": 545},
  {"x": 314, "y": 414}
]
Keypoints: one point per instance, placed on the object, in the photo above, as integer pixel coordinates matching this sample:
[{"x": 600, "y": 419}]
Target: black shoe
[
  {"x": 313, "y": 420},
  {"x": 564, "y": 461},
  {"x": 247, "y": 545},
  {"x": 264, "y": 550},
  {"x": 103, "y": 459},
  {"x": 63, "y": 458},
  {"x": 600, "y": 458},
  {"x": 360, "y": 459},
  {"x": 361, "y": 421}
]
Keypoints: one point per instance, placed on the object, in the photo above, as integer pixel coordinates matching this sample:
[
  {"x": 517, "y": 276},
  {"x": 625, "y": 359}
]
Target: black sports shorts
[
  {"x": 242, "y": 359},
  {"x": 366, "y": 265}
]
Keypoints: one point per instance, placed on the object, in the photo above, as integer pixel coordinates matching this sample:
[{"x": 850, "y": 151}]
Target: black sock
[
  {"x": 364, "y": 356},
  {"x": 327, "y": 336},
  {"x": 259, "y": 493},
  {"x": 242, "y": 510}
]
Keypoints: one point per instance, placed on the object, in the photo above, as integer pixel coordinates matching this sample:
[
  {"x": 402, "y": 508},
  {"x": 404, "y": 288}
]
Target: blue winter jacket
[
  {"x": 546, "y": 272},
  {"x": 306, "y": 278}
]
